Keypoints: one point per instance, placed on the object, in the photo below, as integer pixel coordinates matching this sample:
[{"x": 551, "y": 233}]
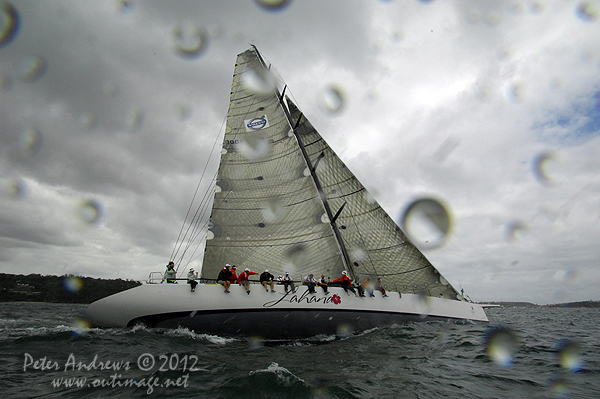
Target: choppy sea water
[{"x": 522, "y": 353}]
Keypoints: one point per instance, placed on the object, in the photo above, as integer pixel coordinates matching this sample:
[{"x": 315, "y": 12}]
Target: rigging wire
[{"x": 178, "y": 244}]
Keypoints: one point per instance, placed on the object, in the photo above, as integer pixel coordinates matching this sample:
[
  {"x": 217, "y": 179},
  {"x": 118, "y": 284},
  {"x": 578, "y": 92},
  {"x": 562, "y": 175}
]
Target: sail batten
[{"x": 285, "y": 201}]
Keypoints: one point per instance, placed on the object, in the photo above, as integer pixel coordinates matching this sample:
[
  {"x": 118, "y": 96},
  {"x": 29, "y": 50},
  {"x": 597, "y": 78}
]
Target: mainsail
[{"x": 285, "y": 202}]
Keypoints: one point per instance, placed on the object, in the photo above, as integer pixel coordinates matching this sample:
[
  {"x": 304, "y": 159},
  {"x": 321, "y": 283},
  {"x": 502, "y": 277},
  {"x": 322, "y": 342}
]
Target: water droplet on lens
[
  {"x": 539, "y": 164},
  {"x": 254, "y": 146},
  {"x": 255, "y": 343},
  {"x": 110, "y": 89},
  {"x": 125, "y": 6},
  {"x": 72, "y": 283},
  {"x": 559, "y": 386},
  {"x": 359, "y": 252},
  {"x": 258, "y": 81},
  {"x": 80, "y": 327},
  {"x": 31, "y": 141},
  {"x": 426, "y": 222},
  {"x": 273, "y": 5},
  {"x": 9, "y": 23},
  {"x": 135, "y": 119},
  {"x": 91, "y": 212},
  {"x": 516, "y": 92},
  {"x": 273, "y": 211},
  {"x": 295, "y": 258},
  {"x": 569, "y": 355},
  {"x": 332, "y": 100},
  {"x": 33, "y": 68},
  {"x": 501, "y": 344},
  {"x": 344, "y": 330},
  {"x": 423, "y": 305},
  {"x": 183, "y": 111},
  {"x": 17, "y": 188},
  {"x": 588, "y": 10},
  {"x": 513, "y": 228},
  {"x": 190, "y": 41},
  {"x": 89, "y": 120}
]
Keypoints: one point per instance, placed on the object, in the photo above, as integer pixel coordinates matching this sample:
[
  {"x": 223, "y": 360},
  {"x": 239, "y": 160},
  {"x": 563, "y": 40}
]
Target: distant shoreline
[
  {"x": 578, "y": 304},
  {"x": 36, "y": 288}
]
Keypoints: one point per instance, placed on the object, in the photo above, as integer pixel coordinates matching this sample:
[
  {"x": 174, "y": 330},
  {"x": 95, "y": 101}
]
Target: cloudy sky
[{"x": 491, "y": 108}]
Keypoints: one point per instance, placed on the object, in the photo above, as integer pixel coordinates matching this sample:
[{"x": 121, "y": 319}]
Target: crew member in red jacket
[
  {"x": 345, "y": 282},
  {"x": 243, "y": 279}
]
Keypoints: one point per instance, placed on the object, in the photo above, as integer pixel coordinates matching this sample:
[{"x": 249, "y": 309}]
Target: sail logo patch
[{"x": 255, "y": 124}]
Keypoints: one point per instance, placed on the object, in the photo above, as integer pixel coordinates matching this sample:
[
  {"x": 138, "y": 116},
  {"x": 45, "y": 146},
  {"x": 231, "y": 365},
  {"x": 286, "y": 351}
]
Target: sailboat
[{"x": 285, "y": 202}]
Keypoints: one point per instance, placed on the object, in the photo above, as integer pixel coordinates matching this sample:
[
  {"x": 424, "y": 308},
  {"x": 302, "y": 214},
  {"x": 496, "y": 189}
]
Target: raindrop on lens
[
  {"x": 426, "y": 222},
  {"x": 295, "y": 257},
  {"x": 569, "y": 355},
  {"x": 512, "y": 228},
  {"x": 91, "y": 212},
  {"x": 33, "y": 68},
  {"x": 79, "y": 327},
  {"x": 359, "y": 252},
  {"x": 18, "y": 188},
  {"x": 183, "y": 111},
  {"x": 72, "y": 284},
  {"x": 9, "y": 23},
  {"x": 258, "y": 81},
  {"x": 273, "y": 210},
  {"x": 255, "y": 343},
  {"x": 125, "y": 6},
  {"x": 331, "y": 100},
  {"x": 423, "y": 305},
  {"x": 539, "y": 164},
  {"x": 135, "y": 119},
  {"x": 273, "y": 5},
  {"x": 89, "y": 120},
  {"x": 588, "y": 10},
  {"x": 254, "y": 146},
  {"x": 31, "y": 141},
  {"x": 559, "y": 386},
  {"x": 501, "y": 344},
  {"x": 516, "y": 92},
  {"x": 344, "y": 330},
  {"x": 190, "y": 41}
]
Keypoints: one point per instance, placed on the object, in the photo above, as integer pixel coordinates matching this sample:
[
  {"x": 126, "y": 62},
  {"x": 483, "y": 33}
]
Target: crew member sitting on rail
[
  {"x": 379, "y": 287},
  {"x": 192, "y": 279},
  {"x": 288, "y": 282},
  {"x": 359, "y": 287},
  {"x": 266, "y": 279},
  {"x": 345, "y": 282},
  {"x": 323, "y": 284},
  {"x": 311, "y": 282},
  {"x": 223, "y": 278},
  {"x": 243, "y": 279},
  {"x": 234, "y": 277}
]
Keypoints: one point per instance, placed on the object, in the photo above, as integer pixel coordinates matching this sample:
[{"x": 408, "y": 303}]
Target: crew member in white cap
[
  {"x": 243, "y": 279},
  {"x": 266, "y": 279},
  {"x": 192, "y": 276}
]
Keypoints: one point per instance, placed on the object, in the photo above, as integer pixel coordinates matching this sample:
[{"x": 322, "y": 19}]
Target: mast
[{"x": 313, "y": 172}]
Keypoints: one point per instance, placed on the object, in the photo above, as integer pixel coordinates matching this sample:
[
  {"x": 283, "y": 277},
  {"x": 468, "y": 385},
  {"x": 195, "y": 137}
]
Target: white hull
[{"x": 269, "y": 315}]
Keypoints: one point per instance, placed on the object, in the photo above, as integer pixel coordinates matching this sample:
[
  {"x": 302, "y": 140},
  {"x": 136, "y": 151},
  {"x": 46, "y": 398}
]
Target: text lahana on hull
[{"x": 284, "y": 201}]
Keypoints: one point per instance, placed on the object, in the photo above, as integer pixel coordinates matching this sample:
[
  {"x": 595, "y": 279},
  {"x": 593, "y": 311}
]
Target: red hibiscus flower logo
[{"x": 336, "y": 299}]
